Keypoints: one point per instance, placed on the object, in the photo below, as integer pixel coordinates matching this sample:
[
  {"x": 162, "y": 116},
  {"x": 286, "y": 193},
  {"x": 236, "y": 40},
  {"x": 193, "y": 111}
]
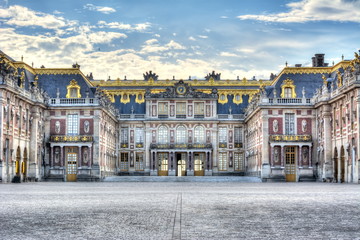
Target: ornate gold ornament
[
  {"x": 288, "y": 83},
  {"x": 236, "y": 94},
  {"x": 339, "y": 79},
  {"x": 73, "y": 90}
]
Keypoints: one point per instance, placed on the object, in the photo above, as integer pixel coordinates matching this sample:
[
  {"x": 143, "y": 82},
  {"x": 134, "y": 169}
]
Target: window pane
[
  {"x": 222, "y": 161},
  {"x": 289, "y": 124},
  {"x": 72, "y": 124},
  {"x": 222, "y": 134},
  {"x": 199, "y": 134},
  {"x": 181, "y": 134},
  {"x": 124, "y": 135},
  {"x": 238, "y": 135},
  {"x": 199, "y": 108},
  {"x": 163, "y": 108},
  {"x": 139, "y": 135},
  {"x": 163, "y": 135},
  {"x": 180, "y": 108}
]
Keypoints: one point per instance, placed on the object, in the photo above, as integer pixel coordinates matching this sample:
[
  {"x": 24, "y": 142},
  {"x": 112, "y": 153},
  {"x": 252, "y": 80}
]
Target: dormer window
[
  {"x": 288, "y": 89},
  {"x": 73, "y": 90},
  {"x": 288, "y": 92}
]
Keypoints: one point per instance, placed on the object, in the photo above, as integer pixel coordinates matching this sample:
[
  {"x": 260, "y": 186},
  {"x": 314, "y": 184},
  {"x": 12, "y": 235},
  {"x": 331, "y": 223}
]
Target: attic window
[
  {"x": 288, "y": 89},
  {"x": 73, "y": 90}
]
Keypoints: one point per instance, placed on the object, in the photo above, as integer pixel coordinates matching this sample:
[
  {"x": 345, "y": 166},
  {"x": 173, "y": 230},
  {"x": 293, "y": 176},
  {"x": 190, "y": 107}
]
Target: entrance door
[
  {"x": 290, "y": 166},
  {"x": 71, "y": 167},
  {"x": 163, "y": 161},
  {"x": 199, "y": 159},
  {"x": 181, "y": 164}
]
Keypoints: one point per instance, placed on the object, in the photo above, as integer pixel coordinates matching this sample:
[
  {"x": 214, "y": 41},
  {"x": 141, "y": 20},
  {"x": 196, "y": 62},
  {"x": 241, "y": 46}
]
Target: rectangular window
[
  {"x": 163, "y": 108},
  {"x": 239, "y": 161},
  {"x": 180, "y": 109},
  {"x": 124, "y": 161},
  {"x": 289, "y": 124},
  {"x": 222, "y": 161},
  {"x": 288, "y": 92},
  {"x": 199, "y": 108},
  {"x": 139, "y": 134},
  {"x": 124, "y": 136},
  {"x": 72, "y": 124},
  {"x": 139, "y": 162},
  {"x": 238, "y": 135},
  {"x": 222, "y": 134}
]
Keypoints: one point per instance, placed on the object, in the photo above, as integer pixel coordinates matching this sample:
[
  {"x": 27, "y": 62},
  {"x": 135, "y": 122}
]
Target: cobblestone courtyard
[{"x": 179, "y": 210}]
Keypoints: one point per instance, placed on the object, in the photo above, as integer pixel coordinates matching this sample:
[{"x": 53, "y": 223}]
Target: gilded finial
[
  {"x": 286, "y": 64},
  {"x": 342, "y": 57}
]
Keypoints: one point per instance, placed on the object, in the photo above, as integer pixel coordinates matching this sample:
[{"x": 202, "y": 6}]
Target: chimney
[
  {"x": 298, "y": 65},
  {"x": 318, "y": 60}
]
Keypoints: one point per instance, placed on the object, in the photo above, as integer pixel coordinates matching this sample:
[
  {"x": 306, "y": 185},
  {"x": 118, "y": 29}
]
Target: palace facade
[{"x": 62, "y": 125}]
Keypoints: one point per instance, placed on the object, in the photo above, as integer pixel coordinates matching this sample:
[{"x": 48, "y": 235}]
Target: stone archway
[{"x": 342, "y": 164}]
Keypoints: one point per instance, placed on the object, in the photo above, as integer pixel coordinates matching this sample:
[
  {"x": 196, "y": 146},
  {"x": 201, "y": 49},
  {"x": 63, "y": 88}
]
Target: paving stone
[{"x": 179, "y": 210}]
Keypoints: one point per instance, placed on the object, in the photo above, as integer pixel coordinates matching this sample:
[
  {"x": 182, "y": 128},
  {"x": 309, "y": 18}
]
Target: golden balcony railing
[
  {"x": 290, "y": 138},
  {"x": 71, "y": 138}
]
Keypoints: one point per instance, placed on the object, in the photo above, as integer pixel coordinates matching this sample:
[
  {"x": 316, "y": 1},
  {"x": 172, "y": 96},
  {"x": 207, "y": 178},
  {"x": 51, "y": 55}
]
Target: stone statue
[
  {"x": 304, "y": 125},
  {"x": 275, "y": 126},
  {"x": 86, "y": 156},
  {"x": 276, "y": 155},
  {"x": 57, "y": 127},
  {"x": 86, "y": 126},
  {"x": 305, "y": 155}
]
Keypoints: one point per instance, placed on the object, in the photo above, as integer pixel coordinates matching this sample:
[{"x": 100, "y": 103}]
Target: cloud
[
  {"x": 313, "y": 10},
  {"x": 192, "y": 38},
  {"x": 23, "y": 17},
  {"x": 152, "y": 46},
  {"x": 224, "y": 17},
  {"x": 118, "y": 25},
  {"x": 202, "y": 36},
  {"x": 228, "y": 54},
  {"x": 105, "y": 10}
]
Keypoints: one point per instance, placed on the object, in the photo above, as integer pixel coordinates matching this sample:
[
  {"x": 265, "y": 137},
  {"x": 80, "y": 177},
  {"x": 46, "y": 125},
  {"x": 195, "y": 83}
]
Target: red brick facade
[
  {"x": 82, "y": 126},
  {"x": 62, "y": 128},
  {"x": 272, "y": 127},
  {"x": 303, "y": 126}
]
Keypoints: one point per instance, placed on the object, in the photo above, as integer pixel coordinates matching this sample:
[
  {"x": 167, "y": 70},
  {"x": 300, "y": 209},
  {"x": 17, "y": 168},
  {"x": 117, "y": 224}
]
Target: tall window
[
  {"x": 289, "y": 124},
  {"x": 222, "y": 134},
  {"x": 72, "y": 124},
  {"x": 163, "y": 135},
  {"x": 139, "y": 162},
  {"x": 124, "y": 136},
  {"x": 222, "y": 161},
  {"x": 181, "y": 134},
  {"x": 163, "y": 108},
  {"x": 124, "y": 161},
  {"x": 180, "y": 108},
  {"x": 199, "y": 134},
  {"x": 239, "y": 161},
  {"x": 139, "y": 135},
  {"x": 238, "y": 135},
  {"x": 288, "y": 92},
  {"x": 199, "y": 108}
]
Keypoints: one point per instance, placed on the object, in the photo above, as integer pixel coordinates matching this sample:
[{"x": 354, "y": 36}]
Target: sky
[{"x": 179, "y": 38}]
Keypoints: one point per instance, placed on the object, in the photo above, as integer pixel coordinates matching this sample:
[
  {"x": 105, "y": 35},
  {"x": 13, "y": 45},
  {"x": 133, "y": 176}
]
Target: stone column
[
  {"x": 52, "y": 156},
  {"x": 34, "y": 165},
  {"x": 328, "y": 168},
  {"x": 80, "y": 157},
  {"x": 300, "y": 155},
  {"x": 310, "y": 156},
  {"x": 61, "y": 156},
  {"x": 282, "y": 155},
  {"x": 90, "y": 156},
  {"x": 272, "y": 155}
]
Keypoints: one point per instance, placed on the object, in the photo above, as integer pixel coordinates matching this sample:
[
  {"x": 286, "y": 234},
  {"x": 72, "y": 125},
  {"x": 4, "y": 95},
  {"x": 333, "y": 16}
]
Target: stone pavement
[
  {"x": 244, "y": 179},
  {"x": 179, "y": 210}
]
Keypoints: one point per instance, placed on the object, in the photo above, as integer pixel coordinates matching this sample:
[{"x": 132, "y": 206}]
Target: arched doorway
[
  {"x": 335, "y": 164},
  {"x": 342, "y": 164},
  {"x": 24, "y": 165},
  {"x": 17, "y": 162}
]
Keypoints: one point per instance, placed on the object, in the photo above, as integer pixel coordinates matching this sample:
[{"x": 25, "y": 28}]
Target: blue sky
[{"x": 179, "y": 38}]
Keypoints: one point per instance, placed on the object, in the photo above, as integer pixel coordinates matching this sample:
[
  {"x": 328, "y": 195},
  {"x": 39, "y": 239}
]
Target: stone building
[{"x": 299, "y": 125}]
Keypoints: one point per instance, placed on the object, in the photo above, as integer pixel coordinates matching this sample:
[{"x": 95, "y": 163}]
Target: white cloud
[
  {"x": 313, "y": 10},
  {"x": 202, "y": 36},
  {"x": 118, "y": 25},
  {"x": 104, "y": 37},
  {"x": 106, "y": 10},
  {"x": 23, "y": 17},
  {"x": 224, "y": 17},
  {"x": 157, "y": 35},
  {"x": 192, "y": 38},
  {"x": 228, "y": 54},
  {"x": 153, "y": 47}
]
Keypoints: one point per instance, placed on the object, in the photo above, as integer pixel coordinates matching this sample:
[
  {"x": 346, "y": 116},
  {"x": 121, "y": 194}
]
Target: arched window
[
  {"x": 181, "y": 134},
  {"x": 73, "y": 90},
  {"x": 163, "y": 135},
  {"x": 199, "y": 134}
]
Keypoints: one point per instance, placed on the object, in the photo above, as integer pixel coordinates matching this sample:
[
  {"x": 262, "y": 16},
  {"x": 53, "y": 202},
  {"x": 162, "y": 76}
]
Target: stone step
[{"x": 244, "y": 179}]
